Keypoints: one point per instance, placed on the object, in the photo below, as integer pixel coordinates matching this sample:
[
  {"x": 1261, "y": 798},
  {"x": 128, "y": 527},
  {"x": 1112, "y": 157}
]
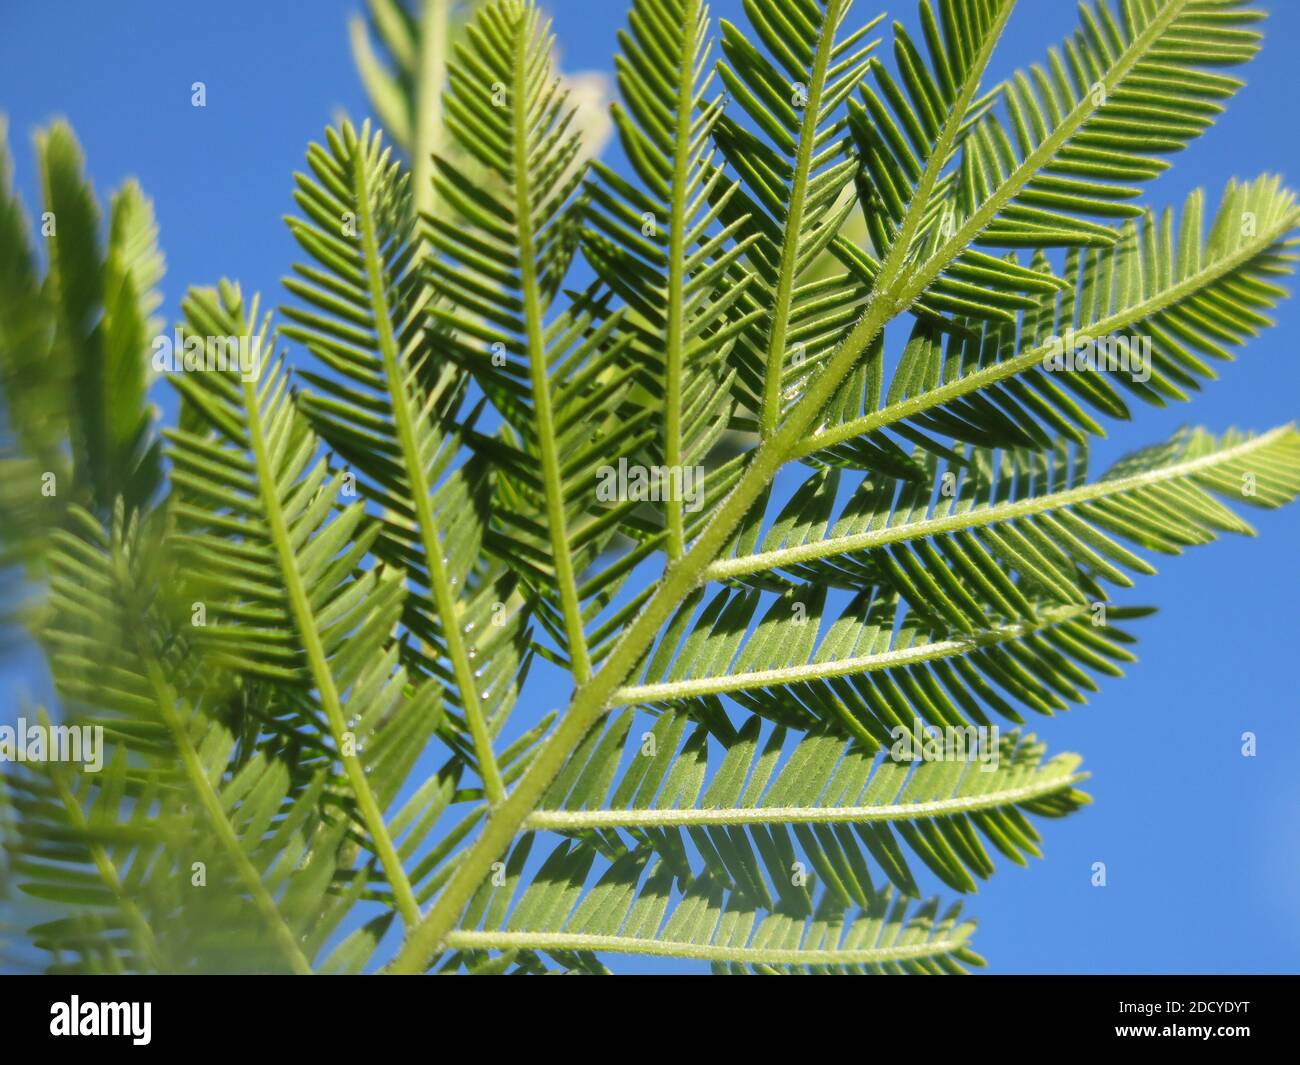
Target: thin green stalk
[
  {"x": 978, "y": 517},
  {"x": 108, "y": 870},
  {"x": 582, "y": 820},
  {"x": 677, "y": 277},
  {"x": 426, "y": 134},
  {"x": 533, "y": 312},
  {"x": 668, "y": 691},
  {"x": 331, "y": 703},
  {"x": 698, "y": 951},
  {"x": 1034, "y": 162},
  {"x": 421, "y": 490},
  {"x": 793, "y": 229},
  {"x": 982, "y": 379},
  {"x": 216, "y": 814}
]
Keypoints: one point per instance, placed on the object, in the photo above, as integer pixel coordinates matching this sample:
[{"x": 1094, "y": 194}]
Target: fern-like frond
[
  {"x": 503, "y": 252},
  {"x": 1172, "y": 293},
  {"x": 795, "y": 172},
  {"x": 102, "y": 311},
  {"x": 252, "y": 881},
  {"x": 955, "y": 535},
  {"x": 857, "y": 670},
  {"x": 74, "y": 349},
  {"x": 908, "y": 130},
  {"x": 402, "y": 50},
  {"x": 634, "y": 908},
  {"x": 499, "y": 454},
  {"x": 659, "y": 244},
  {"x": 829, "y": 796},
  {"x": 1082, "y": 133},
  {"x": 186, "y": 863},
  {"x": 407, "y": 93},
  {"x": 286, "y": 600},
  {"x": 386, "y": 411}
]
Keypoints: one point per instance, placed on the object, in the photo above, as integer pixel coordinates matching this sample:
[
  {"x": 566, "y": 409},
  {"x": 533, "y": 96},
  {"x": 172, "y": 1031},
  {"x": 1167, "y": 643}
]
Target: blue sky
[{"x": 1201, "y": 844}]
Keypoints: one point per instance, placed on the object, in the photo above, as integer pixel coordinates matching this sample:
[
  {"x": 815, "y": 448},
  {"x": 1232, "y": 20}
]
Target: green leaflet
[
  {"x": 1017, "y": 512},
  {"x": 657, "y": 244},
  {"x": 129, "y": 849},
  {"x": 794, "y": 176},
  {"x": 1192, "y": 296},
  {"x": 746, "y": 813},
  {"x": 634, "y": 910},
  {"x": 74, "y": 349},
  {"x": 367, "y": 320},
  {"x": 292, "y": 578}
]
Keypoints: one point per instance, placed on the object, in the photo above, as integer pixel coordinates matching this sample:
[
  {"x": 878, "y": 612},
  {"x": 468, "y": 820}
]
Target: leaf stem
[
  {"x": 582, "y": 820},
  {"x": 662, "y": 948},
  {"x": 677, "y": 276},
  {"x": 331, "y": 703},
  {"x": 216, "y": 815},
  {"x": 811, "y": 671},
  {"x": 537, "y": 366},
  {"x": 395, "y": 373},
  {"x": 793, "y": 224},
  {"x": 426, "y": 135},
  {"x": 979, "y": 517}
]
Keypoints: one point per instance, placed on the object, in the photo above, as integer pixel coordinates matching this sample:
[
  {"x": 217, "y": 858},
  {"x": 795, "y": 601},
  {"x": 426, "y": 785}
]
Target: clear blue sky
[{"x": 1202, "y": 846}]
